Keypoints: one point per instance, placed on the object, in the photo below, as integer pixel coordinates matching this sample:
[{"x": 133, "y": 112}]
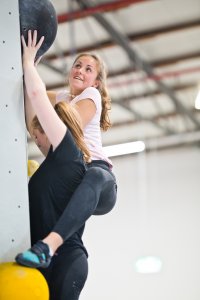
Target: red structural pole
[{"x": 105, "y": 7}]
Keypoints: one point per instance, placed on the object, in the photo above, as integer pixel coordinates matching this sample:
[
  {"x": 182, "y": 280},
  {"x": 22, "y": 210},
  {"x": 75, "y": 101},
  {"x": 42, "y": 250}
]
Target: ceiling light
[
  {"x": 148, "y": 265},
  {"x": 122, "y": 149}
]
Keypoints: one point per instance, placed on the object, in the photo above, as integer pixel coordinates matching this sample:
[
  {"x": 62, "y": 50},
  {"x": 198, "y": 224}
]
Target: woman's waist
[
  {"x": 97, "y": 154},
  {"x": 100, "y": 163}
]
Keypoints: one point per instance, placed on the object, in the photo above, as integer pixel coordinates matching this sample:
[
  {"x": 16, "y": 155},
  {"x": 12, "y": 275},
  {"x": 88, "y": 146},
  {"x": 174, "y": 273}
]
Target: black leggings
[
  {"x": 95, "y": 195},
  {"x": 66, "y": 274}
]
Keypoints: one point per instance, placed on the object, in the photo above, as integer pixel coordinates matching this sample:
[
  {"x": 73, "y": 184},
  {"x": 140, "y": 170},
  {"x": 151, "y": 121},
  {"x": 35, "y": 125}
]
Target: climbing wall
[{"x": 14, "y": 215}]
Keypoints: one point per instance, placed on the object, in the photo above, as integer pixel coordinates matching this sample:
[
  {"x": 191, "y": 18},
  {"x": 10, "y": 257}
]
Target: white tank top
[{"x": 92, "y": 131}]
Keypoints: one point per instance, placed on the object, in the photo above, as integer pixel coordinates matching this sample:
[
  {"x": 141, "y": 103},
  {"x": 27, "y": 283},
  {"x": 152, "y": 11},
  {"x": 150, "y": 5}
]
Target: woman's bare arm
[
  {"x": 54, "y": 128},
  {"x": 86, "y": 109}
]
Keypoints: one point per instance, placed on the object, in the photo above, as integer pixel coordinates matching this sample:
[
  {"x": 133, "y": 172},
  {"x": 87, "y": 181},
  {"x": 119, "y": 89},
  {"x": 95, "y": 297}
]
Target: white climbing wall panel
[{"x": 14, "y": 213}]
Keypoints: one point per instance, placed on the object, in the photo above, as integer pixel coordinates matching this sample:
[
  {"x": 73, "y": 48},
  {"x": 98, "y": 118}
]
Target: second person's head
[{"x": 87, "y": 71}]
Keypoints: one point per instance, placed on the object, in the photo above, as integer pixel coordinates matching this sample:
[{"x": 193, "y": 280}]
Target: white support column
[{"x": 14, "y": 212}]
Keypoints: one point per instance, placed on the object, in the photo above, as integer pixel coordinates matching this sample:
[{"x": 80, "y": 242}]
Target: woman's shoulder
[
  {"x": 90, "y": 92},
  {"x": 92, "y": 89}
]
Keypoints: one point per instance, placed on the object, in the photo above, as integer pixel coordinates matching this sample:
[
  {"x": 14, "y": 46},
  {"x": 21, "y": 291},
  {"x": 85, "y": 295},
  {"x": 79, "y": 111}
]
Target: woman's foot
[{"x": 37, "y": 256}]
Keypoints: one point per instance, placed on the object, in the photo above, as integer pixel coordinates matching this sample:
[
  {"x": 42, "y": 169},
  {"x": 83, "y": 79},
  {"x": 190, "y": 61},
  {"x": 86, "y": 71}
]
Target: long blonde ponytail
[{"x": 72, "y": 120}]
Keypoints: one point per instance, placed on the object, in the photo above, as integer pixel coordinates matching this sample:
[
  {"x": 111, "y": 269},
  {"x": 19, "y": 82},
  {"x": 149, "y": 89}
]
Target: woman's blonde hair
[
  {"x": 105, "y": 123},
  {"x": 72, "y": 120}
]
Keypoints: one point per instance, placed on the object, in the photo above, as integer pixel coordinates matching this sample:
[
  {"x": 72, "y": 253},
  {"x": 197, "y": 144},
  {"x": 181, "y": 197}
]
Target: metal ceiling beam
[
  {"x": 147, "y": 34},
  {"x": 177, "y": 140},
  {"x": 156, "y": 118},
  {"x": 138, "y": 36},
  {"x": 160, "y": 63},
  {"x": 123, "y": 41},
  {"x": 153, "y": 93},
  {"x": 91, "y": 10},
  {"x": 141, "y": 118},
  {"x": 126, "y": 103},
  {"x": 165, "y": 75}
]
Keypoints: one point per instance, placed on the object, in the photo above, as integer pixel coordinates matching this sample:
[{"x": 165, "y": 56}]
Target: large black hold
[{"x": 38, "y": 15}]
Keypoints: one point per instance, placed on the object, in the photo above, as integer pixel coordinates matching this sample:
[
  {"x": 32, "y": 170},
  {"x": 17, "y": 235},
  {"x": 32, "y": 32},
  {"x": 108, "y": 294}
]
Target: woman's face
[
  {"x": 41, "y": 141},
  {"x": 83, "y": 74}
]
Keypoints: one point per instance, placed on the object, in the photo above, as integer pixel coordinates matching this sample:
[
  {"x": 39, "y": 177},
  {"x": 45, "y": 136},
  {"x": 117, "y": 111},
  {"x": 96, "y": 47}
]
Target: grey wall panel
[{"x": 14, "y": 215}]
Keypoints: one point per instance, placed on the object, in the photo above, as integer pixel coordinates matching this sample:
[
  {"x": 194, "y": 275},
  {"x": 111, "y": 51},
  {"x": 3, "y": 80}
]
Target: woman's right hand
[{"x": 30, "y": 49}]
